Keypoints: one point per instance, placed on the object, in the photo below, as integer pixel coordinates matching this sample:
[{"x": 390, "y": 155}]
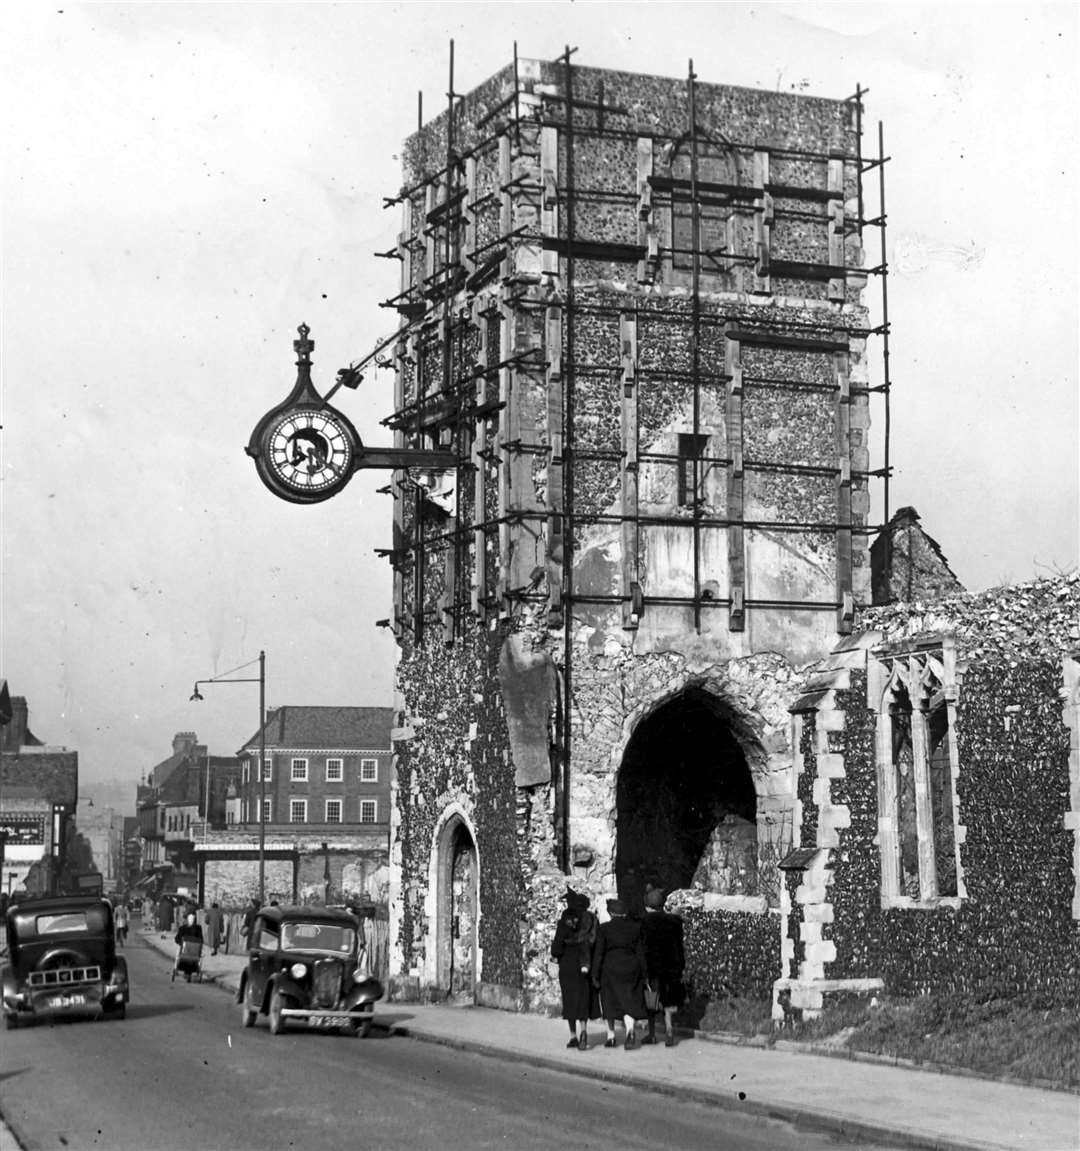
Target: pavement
[{"x": 879, "y": 1102}]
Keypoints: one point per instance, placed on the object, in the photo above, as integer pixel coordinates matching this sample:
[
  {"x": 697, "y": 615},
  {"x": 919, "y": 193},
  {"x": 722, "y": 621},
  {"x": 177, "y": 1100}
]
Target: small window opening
[
  {"x": 941, "y": 800},
  {"x": 691, "y": 452}
]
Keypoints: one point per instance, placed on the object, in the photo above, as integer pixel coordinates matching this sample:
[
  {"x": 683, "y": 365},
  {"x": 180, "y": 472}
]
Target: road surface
[{"x": 180, "y": 1073}]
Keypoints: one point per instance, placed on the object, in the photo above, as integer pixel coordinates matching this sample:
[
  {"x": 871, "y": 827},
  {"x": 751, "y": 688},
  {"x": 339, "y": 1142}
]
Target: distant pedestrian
[
  {"x": 165, "y": 915},
  {"x": 249, "y": 921},
  {"x": 618, "y": 970},
  {"x": 213, "y": 928},
  {"x": 120, "y": 922},
  {"x": 665, "y": 960},
  {"x": 572, "y": 946}
]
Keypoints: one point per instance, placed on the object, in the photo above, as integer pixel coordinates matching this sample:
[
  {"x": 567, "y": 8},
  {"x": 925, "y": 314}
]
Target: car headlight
[
  {"x": 298, "y": 970},
  {"x": 360, "y": 974}
]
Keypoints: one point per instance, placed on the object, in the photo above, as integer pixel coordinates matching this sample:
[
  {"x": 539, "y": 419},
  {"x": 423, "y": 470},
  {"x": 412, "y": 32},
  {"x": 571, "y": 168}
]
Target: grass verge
[{"x": 1022, "y": 1038}]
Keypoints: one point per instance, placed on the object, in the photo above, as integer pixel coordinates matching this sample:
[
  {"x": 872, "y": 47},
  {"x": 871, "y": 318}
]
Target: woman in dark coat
[
  {"x": 618, "y": 969},
  {"x": 572, "y": 946},
  {"x": 189, "y": 929},
  {"x": 665, "y": 959}
]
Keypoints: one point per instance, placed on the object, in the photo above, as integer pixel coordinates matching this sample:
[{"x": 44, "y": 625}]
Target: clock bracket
[{"x": 304, "y": 403}]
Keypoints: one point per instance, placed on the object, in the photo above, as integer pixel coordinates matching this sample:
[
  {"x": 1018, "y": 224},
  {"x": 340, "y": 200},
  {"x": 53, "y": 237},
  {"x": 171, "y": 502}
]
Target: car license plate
[
  {"x": 68, "y": 1001},
  {"x": 328, "y": 1020}
]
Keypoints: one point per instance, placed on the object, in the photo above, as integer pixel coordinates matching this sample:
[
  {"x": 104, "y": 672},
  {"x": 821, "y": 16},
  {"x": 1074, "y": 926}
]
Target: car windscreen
[{"x": 333, "y": 938}]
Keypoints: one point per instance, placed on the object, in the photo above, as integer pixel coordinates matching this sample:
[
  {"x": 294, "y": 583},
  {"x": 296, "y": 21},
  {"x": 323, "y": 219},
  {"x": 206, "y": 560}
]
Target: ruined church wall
[
  {"x": 1013, "y": 932},
  {"x": 1013, "y": 928}
]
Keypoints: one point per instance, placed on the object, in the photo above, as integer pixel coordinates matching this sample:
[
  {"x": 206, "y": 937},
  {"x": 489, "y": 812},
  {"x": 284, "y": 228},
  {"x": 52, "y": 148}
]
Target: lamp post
[{"x": 261, "y": 681}]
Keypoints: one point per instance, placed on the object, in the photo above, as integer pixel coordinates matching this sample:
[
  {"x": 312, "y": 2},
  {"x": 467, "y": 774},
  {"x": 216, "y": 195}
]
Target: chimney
[{"x": 184, "y": 741}]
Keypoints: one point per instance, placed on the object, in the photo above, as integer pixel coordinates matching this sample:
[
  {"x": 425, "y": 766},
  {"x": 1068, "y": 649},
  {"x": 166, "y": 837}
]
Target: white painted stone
[
  {"x": 809, "y": 932},
  {"x": 831, "y": 720},
  {"x": 818, "y": 913},
  {"x": 821, "y": 952},
  {"x": 806, "y": 998},
  {"x": 836, "y": 816},
  {"x": 755, "y": 904},
  {"x": 831, "y": 766}
]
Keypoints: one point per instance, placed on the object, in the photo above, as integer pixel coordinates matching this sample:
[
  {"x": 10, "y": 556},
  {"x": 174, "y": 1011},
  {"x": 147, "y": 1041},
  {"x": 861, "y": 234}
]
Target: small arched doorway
[
  {"x": 458, "y": 908},
  {"x": 686, "y": 807}
]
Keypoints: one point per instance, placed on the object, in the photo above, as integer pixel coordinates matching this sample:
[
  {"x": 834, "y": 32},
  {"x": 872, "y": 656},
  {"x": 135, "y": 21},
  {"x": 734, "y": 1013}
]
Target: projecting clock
[{"x": 304, "y": 449}]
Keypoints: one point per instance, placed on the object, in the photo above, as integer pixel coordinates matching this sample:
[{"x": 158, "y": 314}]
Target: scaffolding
[{"x": 467, "y": 345}]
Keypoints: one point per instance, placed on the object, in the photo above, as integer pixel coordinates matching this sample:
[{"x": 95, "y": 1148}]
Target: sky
[{"x": 184, "y": 184}]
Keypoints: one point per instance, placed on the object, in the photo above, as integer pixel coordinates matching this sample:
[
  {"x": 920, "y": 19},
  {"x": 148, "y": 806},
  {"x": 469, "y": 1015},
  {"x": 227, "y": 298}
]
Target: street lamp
[{"x": 261, "y": 681}]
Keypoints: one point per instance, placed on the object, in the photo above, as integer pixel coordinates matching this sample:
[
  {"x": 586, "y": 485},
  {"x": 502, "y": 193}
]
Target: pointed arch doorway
[
  {"x": 686, "y": 806},
  {"x": 457, "y": 911}
]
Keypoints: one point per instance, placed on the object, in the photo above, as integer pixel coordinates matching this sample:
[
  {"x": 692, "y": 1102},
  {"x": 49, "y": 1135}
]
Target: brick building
[
  {"x": 183, "y": 798},
  {"x": 632, "y": 306},
  {"x": 325, "y": 784},
  {"x": 39, "y": 793}
]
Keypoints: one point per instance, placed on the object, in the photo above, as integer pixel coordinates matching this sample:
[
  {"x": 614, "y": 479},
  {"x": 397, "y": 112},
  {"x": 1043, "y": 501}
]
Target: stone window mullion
[
  {"x": 924, "y": 812},
  {"x": 888, "y": 838}
]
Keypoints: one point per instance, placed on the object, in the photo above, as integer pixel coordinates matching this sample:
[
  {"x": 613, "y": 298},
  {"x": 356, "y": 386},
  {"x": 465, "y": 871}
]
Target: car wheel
[
  {"x": 277, "y": 1020},
  {"x": 248, "y": 1015},
  {"x": 11, "y": 1021},
  {"x": 117, "y": 1012},
  {"x": 364, "y": 1027}
]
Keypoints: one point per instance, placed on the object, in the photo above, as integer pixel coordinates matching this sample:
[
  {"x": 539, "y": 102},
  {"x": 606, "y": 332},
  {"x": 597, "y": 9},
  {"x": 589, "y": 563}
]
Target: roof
[
  {"x": 312, "y": 914},
  {"x": 161, "y": 772},
  {"x": 54, "y": 902},
  {"x": 27, "y": 791},
  {"x": 332, "y": 727},
  {"x": 182, "y": 785}
]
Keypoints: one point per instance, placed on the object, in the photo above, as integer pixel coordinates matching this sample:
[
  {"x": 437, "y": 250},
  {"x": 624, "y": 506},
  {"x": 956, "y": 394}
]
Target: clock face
[{"x": 310, "y": 452}]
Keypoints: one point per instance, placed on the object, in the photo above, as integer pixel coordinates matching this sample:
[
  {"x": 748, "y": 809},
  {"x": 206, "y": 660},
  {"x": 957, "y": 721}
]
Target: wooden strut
[{"x": 568, "y": 468}]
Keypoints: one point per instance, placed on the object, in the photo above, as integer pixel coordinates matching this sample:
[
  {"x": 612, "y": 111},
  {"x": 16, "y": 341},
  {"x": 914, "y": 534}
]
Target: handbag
[{"x": 652, "y": 998}]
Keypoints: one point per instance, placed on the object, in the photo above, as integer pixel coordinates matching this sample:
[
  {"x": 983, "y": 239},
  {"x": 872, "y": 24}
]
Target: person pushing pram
[{"x": 189, "y": 945}]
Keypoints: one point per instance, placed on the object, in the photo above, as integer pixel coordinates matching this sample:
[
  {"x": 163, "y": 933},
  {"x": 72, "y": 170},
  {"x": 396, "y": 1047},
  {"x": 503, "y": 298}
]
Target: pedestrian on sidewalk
[
  {"x": 213, "y": 928},
  {"x": 618, "y": 970},
  {"x": 249, "y": 921},
  {"x": 575, "y": 935},
  {"x": 188, "y": 930},
  {"x": 120, "y": 922},
  {"x": 165, "y": 915},
  {"x": 665, "y": 961}
]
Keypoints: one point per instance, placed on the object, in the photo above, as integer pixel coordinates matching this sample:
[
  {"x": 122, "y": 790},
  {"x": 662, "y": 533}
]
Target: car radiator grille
[
  {"x": 326, "y": 983},
  {"x": 62, "y": 976}
]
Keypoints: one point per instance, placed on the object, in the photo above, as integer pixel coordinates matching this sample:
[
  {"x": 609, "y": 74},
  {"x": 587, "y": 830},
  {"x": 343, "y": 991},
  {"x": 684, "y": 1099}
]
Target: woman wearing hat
[
  {"x": 618, "y": 969},
  {"x": 572, "y": 946},
  {"x": 665, "y": 958}
]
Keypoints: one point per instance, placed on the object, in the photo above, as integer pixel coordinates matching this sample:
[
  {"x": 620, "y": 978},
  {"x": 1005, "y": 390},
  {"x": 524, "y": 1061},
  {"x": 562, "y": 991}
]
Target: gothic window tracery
[{"x": 915, "y": 696}]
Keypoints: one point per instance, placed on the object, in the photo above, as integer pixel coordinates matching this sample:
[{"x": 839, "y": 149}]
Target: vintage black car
[
  {"x": 62, "y": 961},
  {"x": 305, "y": 965}
]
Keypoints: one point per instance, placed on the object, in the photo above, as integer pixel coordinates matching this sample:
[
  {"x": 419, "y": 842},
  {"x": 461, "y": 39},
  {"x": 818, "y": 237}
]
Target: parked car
[
  {"x": 305, "y": 965},
  {"x": 62, "y": 961}
]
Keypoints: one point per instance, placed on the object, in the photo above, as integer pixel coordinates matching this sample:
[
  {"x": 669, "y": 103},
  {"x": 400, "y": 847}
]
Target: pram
[{"x": 188, "y": 960}]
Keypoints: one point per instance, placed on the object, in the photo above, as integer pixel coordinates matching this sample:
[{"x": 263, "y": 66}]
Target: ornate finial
[{"x": 303, "y": 346}]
